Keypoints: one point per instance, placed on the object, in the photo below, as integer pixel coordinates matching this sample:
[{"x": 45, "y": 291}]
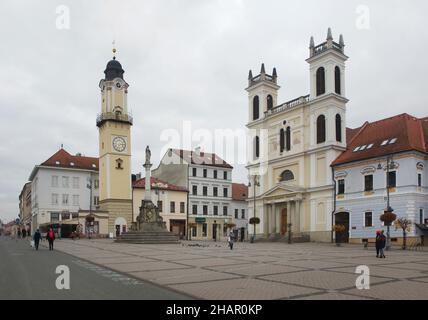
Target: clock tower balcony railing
[{"x": 114, "y": 116}]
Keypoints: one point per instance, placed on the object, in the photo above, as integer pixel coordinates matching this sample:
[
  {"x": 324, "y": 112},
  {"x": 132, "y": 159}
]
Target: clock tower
[{"x": 114, "y": 124}]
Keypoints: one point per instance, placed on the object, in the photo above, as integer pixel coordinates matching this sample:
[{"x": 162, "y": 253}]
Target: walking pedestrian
[
  {"x": 230, "y": 239},
  {"x": 50, "y": 236},
  {"x": 382, "y": 244},
  {"x": 24, "y": 233},
  {"x": 19, "y": 233},
  {"x": 377, "y": 243},
  {"x": 37, "y": 236}
]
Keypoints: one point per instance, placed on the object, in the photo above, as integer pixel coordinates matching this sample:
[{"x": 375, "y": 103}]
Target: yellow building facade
[{"x": 114, "y": 123}]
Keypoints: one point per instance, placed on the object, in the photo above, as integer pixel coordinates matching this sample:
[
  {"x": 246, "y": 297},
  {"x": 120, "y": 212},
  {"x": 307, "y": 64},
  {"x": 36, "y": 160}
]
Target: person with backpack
[
  {"x": 37, "y": 236},
  {"x": 50, "y": 236}
]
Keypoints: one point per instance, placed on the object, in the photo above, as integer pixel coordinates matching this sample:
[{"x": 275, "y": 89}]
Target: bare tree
[{"x": 405, "y": 225}]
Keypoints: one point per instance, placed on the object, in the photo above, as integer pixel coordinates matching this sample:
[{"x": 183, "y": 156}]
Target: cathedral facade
[{"x": 293, "y": 146}]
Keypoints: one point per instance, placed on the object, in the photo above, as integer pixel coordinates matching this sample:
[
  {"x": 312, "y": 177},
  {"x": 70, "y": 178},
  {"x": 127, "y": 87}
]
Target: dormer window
[
  {"x": 57, "y": 162},
  {"x": 72, "y": 164},
  {"x": 94, "y": 165}
]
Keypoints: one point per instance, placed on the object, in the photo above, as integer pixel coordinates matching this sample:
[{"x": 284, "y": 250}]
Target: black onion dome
[{"x": 113, "y": 70}]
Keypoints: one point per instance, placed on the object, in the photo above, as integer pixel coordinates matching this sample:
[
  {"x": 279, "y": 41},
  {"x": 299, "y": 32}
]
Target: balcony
[
  {"x": 325, "y": 46},
  {"x": 114, "y": 116},
  {"x": 288, "y": 105}
]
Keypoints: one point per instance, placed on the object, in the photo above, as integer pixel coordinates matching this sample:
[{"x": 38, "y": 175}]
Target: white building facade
[
  {"x": 209, "y": 181},
  {"x": 361, "y": 174},
  {"x": 60, "y": 192}
]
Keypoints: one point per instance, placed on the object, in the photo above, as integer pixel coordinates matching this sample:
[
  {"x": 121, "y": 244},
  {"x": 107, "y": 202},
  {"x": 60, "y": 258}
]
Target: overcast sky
[{"x": 188, "y": 60}]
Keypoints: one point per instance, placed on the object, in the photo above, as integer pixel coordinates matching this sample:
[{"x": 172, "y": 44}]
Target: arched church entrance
[{"x": 120, "y": 225}]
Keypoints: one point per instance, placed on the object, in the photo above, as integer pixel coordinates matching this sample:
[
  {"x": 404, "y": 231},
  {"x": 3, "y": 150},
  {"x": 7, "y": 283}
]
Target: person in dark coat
[
  {"x": 382, "y": 244},
  {"x": 50, "y": 236},
  {"x": 377, "y": 243},
  {"x": 37, "y": 236}
]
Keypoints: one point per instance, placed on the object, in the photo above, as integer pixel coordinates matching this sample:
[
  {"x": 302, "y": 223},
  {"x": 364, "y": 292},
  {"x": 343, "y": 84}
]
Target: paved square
[{"x": 262, "y": 270}]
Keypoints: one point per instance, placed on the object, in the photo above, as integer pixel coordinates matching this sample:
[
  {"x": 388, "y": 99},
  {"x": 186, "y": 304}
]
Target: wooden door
[{"x": 284, "y": 221}]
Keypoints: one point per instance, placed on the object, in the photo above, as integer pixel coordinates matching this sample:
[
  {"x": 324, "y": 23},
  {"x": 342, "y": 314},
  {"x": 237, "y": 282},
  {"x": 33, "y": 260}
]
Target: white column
[
  {"x": 266, "y": 219},
  {"x": 297, "y": 215},
  {"x": 278, "y": 221}
]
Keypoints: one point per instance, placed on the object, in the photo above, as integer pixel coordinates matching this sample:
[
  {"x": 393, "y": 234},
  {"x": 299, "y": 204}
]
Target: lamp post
[
  {"x": 388, "y": 207},
  {"x": 255, "y": 184},
  {"x": 89, "y": 186}
]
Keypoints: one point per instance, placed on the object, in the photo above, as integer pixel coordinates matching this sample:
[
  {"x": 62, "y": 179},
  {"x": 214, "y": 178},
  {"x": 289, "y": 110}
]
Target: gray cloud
[{"x": 186, "y": 60}]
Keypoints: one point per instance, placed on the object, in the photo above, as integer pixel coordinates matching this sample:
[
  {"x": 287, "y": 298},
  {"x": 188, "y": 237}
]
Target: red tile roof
[
  {"x": 203, "y": 158},
  {"x": 411, "y": 134},
  {"x": 157, "y": 184},
  {"x": 239, "y": 191},
  {"x": 63, "y": 159}
]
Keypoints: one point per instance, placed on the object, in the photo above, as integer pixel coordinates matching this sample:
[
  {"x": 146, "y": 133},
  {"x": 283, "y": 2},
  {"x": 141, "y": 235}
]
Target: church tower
[{"x": 114, "y": 124}]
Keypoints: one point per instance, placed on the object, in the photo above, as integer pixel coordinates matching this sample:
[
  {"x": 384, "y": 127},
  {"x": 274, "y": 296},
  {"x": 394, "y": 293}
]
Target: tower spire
[
  {"x": 114, "y": 49},
  {"x": 262, "y": 70},
  {"x": 311, "y": 42},
  {"x": 250, "y": 75},
  {"x": 341, "y": 41},
  {"x": 329, "y": 34}
]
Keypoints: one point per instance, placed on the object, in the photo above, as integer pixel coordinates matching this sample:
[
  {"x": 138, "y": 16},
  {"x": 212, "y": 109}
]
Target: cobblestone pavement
[{"x": 210, "y": 270}]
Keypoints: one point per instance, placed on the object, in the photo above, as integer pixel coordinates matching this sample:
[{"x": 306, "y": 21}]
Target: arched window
[
  {"x": 338, "y": 128},
  {"x": 287, "y": 175},
  {"x": 337, "y": 87},
  {"x": 269, "y": 101},
  {"x": 288, "y": 139},
  {"x": 281, "y": 140},
  {"x": 321, "y": 129},
  {"x": 257, "y": 147},
  {"x": 255, "y": 107},
  {"x": 320, "y": 81}
]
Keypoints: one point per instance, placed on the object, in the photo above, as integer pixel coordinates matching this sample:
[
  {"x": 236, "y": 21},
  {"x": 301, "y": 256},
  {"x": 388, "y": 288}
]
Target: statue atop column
[{"x": 148, "y": 156}]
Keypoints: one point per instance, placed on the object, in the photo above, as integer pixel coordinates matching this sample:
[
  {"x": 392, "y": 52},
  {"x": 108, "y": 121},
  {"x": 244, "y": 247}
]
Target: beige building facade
[
  {"x": 293, "y": 145},
  {"x": 169, "y": 198}
]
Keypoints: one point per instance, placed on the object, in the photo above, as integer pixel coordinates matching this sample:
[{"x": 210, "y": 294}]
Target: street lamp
[
  {"x": 89, "y": 186},
  {"x": 388, "y": 209},
  {"x": 255, "y": 184}
]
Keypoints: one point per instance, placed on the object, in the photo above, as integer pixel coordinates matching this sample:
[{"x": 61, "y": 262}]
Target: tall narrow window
[
  {"x": 255, "y": 107},
  {"x": 341, "y": 186},
  {"x": 281, "y": 140},
  {"x": 368, "y": 219},
  {"x": 269, "y": 101},
  {"x": 321, "y": 129},
  {"x": 419, "y": 180},
  {"x": 392, "y": 179},
  {"x": 320, "y": 81},
  {"x": 338, "y": 128},
  {"x": 288, "y": 139},
  {"x": 257, "y": 147},
  {"x": 337, "y": 87},
  {"x": 368, "y": 182}
]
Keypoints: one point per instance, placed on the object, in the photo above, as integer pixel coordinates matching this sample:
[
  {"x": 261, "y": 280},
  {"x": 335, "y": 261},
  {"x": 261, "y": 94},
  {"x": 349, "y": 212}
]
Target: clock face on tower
[{"x": 119, "y": 144}]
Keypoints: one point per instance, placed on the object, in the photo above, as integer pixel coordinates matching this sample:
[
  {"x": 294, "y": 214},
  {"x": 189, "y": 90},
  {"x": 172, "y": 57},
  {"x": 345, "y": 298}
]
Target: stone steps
[{"x": 148, "y": 237}]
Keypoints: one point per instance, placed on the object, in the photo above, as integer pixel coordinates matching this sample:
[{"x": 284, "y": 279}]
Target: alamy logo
[
  {"x": 363, "y": 281},
  {"x": 63, "y": 17},
  {"x": 63, "y": 280}
]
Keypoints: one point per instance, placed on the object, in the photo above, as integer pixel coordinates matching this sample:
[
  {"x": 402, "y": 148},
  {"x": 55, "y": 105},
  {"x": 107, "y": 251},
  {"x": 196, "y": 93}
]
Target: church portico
[{"x": 282, "y": 212}]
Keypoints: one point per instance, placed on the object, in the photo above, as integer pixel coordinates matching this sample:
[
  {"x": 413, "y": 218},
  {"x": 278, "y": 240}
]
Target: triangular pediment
[{"x": 282, "y": 189}]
